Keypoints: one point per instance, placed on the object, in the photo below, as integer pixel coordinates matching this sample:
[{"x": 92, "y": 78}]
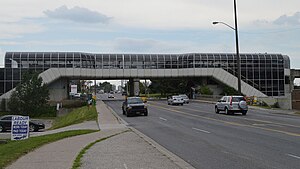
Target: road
[{"x": 212, "y": 141}]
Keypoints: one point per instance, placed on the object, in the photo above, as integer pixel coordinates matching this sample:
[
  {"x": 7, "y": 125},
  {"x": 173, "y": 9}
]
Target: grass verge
[
  {"x": 76, "y": 116},
  {"x": 297, "y": 113},
  {"x": 13, "y": 150},
  {"x": 77, "y": 162}
]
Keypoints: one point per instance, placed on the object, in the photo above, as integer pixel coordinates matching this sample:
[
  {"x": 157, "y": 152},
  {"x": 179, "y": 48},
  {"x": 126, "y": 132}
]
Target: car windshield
[
  {"x": 134, "y": 100},
  {"x": 237, "y": 99},
  {"x": 176, "y": 97}
]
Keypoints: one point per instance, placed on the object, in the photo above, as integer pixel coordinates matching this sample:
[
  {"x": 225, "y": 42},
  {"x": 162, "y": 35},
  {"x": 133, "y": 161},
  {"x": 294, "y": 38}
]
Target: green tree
[
  {"x": 106, "y": 86},
  {"x": 30, "y": 96}
]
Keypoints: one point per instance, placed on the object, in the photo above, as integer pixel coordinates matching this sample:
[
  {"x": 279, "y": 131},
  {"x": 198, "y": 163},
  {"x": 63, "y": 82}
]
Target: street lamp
[{"x": 237, "y": 47}]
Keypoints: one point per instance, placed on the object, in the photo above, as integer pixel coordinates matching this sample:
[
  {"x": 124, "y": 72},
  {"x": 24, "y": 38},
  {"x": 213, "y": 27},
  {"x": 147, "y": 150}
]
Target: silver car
[
  {"x": 175, "y": 100},
  {"x": 232, "y": 104},
  {"x": 185, "y": 98}
]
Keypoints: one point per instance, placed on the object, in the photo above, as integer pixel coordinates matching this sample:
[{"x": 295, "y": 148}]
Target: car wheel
[
  {"x": 168, "y": 103},
  {"x": 32, "y": 128},
  {"x": 127, "y": 114},
  {"x": 244, "y": 112},
  {"x": 217, "y": 110},
  {"x": 1, "y": 128},
  {"x": 181, "y": 104},
  {"x": 227, "y": 111}
]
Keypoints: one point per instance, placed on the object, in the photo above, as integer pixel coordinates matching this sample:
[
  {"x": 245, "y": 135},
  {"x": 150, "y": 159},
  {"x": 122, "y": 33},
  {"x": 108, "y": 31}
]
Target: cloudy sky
[{"x": 156, "y": 26}]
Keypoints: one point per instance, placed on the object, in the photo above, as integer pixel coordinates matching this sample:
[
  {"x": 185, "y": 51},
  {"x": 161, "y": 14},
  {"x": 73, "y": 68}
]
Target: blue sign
[{"x": 19, "y": 127}]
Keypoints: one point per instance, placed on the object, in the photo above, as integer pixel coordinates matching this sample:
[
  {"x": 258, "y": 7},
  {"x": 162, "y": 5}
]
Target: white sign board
[
  {"x": 19, "y": 127},
  {"x": 73, "y": 89}
]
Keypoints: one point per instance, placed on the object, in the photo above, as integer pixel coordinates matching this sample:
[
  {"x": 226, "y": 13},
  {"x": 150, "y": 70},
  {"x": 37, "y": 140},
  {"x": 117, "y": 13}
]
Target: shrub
[{"x": 205, "y": 90}]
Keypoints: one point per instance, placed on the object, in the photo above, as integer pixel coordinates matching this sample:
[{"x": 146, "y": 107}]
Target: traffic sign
[{"x": 19, "y": 127}]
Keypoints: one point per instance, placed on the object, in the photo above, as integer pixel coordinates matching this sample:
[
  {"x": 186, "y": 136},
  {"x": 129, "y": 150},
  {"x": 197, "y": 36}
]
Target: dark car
[
  {"x": 133, "y": 105},
  {"x": 5, "y": 124}
]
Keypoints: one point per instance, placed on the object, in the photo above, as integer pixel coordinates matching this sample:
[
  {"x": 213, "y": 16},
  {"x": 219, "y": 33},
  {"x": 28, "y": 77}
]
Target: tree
[{"x": 30, "y": 96}]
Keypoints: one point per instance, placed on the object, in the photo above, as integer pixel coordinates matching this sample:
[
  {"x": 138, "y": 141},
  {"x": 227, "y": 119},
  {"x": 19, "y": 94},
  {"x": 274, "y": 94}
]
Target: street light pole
[
  {"x": 237, "y": 51},
  {"x": 237, "y": 47}
]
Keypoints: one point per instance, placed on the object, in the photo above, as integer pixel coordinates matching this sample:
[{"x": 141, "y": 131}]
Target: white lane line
[
  {"x": 291, "y": 155},
  {"x": 125, "y": 166},
  {"x": 204, "y": 131},
  {"x": 162, "y": 119}
]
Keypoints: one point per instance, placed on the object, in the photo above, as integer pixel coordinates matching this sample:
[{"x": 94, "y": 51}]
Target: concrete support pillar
[
  {"x": 58, "y": 89},
  {"x": 134, "y": 87}
]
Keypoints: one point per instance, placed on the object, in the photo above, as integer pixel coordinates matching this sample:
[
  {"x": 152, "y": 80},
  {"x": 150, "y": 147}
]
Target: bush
[
  {"x": 229, "y": 91},
  {"x": 205, "y": 90},
  {"x": 46, "y": 111}
]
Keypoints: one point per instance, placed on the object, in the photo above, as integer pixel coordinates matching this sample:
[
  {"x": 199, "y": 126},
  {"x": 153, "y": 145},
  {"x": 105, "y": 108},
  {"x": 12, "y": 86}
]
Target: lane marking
[
  {"x": 204, "y": 131},
  {"x": 291, "y": 155},
  {"x": 162, "y": 119},
  {"x": 226, "y": 122},
  {"x": 257, "y": 120}
]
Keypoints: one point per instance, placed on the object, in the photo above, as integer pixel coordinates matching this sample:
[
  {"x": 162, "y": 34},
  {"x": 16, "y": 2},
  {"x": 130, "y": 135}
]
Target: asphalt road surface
[{"x": 217, "y": 141}]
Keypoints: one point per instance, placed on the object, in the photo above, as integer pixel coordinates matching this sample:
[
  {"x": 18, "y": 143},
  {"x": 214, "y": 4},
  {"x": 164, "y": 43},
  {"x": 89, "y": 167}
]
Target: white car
[
  {"x": 232, "y": 104},
  {"x": 77, "y": 95},
  {"x": 175, "y": 100},
  {"x": 111, "y": 95},
  {"x": 185, "y": 98}
]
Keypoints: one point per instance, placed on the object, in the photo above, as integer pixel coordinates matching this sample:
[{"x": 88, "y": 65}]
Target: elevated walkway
[{"x": 53, "y": 74}]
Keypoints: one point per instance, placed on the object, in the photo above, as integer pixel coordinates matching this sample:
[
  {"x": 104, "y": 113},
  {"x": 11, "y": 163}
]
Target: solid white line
[
  {"x": 291, "y": 155},
  {"x": 163, "y": 119},
  {"x": 201, "y": 130},
  {"x": 125, "y": 166}
]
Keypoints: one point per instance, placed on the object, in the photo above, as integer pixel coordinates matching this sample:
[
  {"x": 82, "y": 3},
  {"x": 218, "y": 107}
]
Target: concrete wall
[
  {"x": 283, "y": 102},
  {"x": 296, "y": 99},
  {"x": 58, "y": 89}
]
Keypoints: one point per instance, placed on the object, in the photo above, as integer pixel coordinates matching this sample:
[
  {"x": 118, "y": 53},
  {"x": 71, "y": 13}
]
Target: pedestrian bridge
[{"x": 57, "y": 75}]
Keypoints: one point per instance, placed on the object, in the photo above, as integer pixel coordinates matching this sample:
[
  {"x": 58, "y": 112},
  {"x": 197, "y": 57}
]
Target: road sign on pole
[{"x": 19, "y": 127}]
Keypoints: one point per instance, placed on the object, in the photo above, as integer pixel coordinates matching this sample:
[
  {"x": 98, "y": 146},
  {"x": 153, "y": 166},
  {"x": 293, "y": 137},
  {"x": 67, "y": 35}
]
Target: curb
[{"x": 177, "y": 160}]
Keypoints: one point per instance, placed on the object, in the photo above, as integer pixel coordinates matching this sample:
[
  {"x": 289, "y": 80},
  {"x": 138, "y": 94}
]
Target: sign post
[{"x": 19, "y": 127}]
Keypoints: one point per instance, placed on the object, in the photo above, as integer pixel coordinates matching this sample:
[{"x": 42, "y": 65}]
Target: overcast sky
[{"x": 156, "y": 26}]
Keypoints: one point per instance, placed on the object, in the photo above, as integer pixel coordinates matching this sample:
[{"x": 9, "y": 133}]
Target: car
[
  {"x": 133, "y": 105},
  {"x": 175, "y": 100},
  {"x": 231, "y": 105},
  {"x": 111, "y": 95},
  {"x": 185, "y": 98},
  {"x": 5, "y": 124},
  {"x": 77, "y": 95}
]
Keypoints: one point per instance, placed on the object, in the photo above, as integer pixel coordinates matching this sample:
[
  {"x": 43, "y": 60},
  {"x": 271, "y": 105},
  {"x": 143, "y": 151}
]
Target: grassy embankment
[
  {"x": 76, "y": 116},
  {"x": 12, "y": 150}
]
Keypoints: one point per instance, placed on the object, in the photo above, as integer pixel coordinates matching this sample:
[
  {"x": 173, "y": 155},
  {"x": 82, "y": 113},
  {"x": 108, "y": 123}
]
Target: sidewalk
[{"x": 130, "y": 149}]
